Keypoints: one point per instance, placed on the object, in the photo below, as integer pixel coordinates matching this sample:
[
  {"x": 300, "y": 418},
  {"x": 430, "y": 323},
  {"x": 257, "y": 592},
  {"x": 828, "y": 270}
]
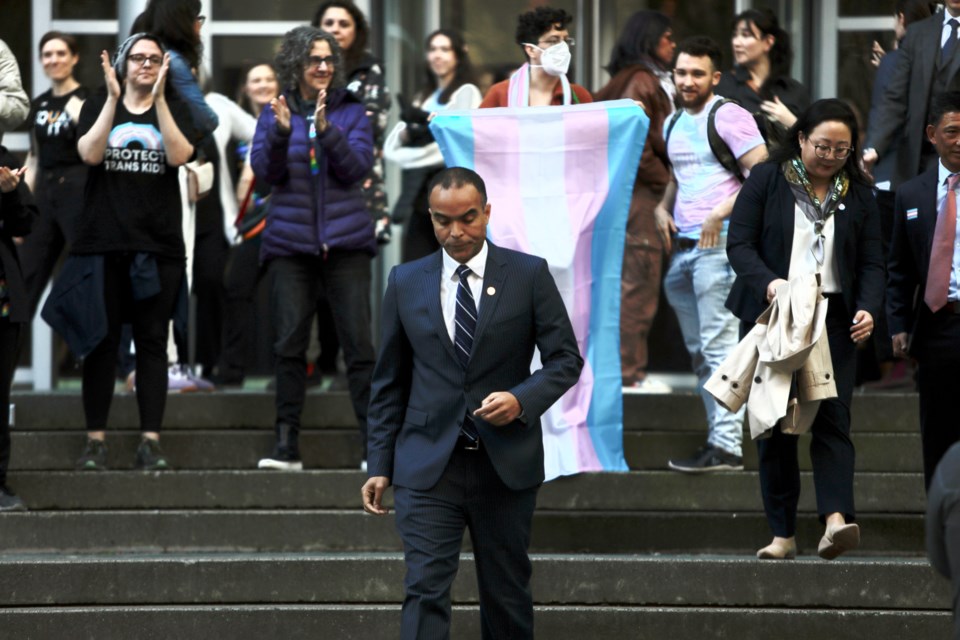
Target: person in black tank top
[{"x": 55, "y": 172}]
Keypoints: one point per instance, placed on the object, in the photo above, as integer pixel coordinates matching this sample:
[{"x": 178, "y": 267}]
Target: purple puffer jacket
[{"x": 312, "y": 214}]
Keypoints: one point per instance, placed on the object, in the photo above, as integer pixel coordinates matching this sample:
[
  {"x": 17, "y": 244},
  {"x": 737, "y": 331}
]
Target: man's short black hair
[
  {"x": 946, "y": 102},
  {"x": 456, "y": 177},
  {"x": 700, "y": 46},
  {"x": 533, "y": 24}
]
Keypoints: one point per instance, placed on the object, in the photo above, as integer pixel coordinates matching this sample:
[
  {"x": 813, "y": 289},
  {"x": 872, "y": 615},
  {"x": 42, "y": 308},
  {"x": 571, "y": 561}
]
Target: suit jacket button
[{"x": 757, "y": 380}]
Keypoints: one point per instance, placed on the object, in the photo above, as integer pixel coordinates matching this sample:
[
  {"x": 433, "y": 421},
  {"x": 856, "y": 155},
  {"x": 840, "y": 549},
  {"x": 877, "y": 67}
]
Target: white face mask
[{"x": 554, "y": 60}]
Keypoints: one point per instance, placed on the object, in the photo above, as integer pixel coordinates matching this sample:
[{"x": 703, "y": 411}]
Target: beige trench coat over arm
[{"x": 788, "y": 342}]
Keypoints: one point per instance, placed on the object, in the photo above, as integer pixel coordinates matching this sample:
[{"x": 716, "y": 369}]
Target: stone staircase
[{"x": 219, "y": 549}]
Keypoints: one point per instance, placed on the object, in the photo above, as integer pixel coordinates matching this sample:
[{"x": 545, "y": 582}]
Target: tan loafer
[
  {"x": 777, "y": 552},
  {"x": 838, "y": 540}
]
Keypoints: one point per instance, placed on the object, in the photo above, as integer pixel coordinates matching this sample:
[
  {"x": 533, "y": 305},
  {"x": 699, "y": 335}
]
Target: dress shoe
[
  {"x": 837, "y": 540},
  {"x": 775, "y": 551}
]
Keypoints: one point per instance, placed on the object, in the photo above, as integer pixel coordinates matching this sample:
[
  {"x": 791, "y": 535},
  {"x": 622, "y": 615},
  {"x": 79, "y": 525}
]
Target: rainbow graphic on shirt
[{"x": 135, "y": 148}]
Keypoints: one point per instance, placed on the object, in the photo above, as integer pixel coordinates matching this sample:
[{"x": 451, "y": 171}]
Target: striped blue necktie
[{"x": 465, "y": 321}]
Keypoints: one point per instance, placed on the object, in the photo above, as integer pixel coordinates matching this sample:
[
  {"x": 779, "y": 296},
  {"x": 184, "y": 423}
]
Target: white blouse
[{"x": 802, "y": 260}]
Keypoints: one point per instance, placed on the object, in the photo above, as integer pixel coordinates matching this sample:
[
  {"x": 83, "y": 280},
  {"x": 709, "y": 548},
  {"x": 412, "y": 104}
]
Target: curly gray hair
[{"x": 294, "y": 52}]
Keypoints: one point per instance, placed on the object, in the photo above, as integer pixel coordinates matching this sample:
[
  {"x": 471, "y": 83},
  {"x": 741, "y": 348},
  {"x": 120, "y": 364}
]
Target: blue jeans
[{"x": 696, "y": 285}]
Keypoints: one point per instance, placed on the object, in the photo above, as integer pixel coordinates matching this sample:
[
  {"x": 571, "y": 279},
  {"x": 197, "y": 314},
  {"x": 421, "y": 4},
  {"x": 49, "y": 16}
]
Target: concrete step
[
  {"x": 318, "y": 578},
  {"x": 870, "y": 412},
  {"x": 376, "y": 622},
  {"x": 340, "y": 448},
  {"x": 899, "y": 452},
  {"x": 315, "y": 489},
  {"x": 877, "y": 412},
  {"x": 305, "y": 530}
]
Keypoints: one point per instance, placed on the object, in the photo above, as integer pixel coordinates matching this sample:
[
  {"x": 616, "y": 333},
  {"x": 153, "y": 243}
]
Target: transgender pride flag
[{"x": 559, "y": 180}]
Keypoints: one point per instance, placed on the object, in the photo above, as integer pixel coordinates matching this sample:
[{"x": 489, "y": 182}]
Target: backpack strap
[{"x": 718, "y": 145}]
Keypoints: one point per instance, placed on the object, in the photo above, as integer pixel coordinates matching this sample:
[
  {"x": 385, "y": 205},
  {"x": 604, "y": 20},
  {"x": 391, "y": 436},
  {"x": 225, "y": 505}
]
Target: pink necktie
[{"x": 941, "y": 256}]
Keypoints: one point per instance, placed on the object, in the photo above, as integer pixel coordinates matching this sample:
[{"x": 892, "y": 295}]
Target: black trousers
[
  {"x": 468, "y": 495},
  {"x": 298, "y": 281},
  {"x": 831, "y": 450},
  {"x": 150, "y": 320},
  {"x": 209, "y": 263},
  {"x": 241, "y": 280},
  {"x": 59, "y": 199},
  {"x": 938, "y": 378},
  {"x": 9, "y": 335}
]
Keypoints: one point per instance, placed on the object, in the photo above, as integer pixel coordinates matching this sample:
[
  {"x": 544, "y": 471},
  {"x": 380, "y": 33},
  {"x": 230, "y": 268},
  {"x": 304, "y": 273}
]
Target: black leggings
[{"x": 150, "y": 319}]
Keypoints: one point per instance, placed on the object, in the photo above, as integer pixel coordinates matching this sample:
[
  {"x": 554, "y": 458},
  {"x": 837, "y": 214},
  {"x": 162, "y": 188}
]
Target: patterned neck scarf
[{"x": 816, "y": 212}]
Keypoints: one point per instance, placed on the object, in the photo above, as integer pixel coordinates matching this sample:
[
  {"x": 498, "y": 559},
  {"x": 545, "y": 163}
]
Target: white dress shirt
[
  {"x": 945, "y": 31},
  {"x": 952, "y": 291},
  {"x": 449, "y": 281}
]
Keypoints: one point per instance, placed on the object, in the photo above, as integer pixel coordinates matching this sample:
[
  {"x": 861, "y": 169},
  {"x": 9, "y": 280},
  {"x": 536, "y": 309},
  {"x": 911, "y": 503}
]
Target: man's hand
[
  {"x": 900, "y": 345},
  {"x": 772, "y": 289},
  {"x": 666, "y": 226},
  {"x": 862, "y": 326},
  {"x": 710, "y": 231},
  {"x": 499, "y": 408},
  {"x": 372, "y": 494}
]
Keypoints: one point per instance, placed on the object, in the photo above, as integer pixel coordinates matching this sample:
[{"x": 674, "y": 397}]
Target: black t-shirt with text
[
  {"x": 132, "y": 198},
  {"x": 54, "y": 131}
]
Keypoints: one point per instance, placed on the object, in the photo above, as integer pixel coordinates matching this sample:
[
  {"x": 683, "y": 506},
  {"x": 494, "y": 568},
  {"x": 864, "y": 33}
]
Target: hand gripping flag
[{"x": 560, "y": 181}]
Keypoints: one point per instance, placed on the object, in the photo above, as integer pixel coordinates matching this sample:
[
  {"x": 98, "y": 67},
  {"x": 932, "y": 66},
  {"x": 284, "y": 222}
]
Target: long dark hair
[
  {"x": 249, "y": 65},
  {"x": 781, "y": 53},
  {"x": 914, "y": 10},
  {"x": 638, "y": 42},
  {"x": 353, "y": 55},
  {"x": 830, "y": 109},
  {"x": 462, "y": 75},
  {"x": 175, "y": 23}
]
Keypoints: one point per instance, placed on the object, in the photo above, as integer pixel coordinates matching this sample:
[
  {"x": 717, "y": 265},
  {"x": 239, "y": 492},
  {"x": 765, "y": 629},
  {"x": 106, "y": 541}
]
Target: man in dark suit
[
  {"x": 928, "y": 64},
  {"x": 454, "y": 421},
  {"x": 923, "y": 288}
]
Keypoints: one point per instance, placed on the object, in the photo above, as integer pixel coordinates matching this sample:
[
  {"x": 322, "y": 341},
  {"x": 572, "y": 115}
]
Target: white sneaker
[
  {"x": 649, "y": 386},
  {"x": 280, "y": 465}
]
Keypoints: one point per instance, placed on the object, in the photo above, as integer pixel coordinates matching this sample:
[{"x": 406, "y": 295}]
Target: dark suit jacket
[
  {"x": 421, "y": 393},
  {"x": 760, "y": 241},
  {"x": 910, "y": 250},
  {"x": 903, "y": 111}
]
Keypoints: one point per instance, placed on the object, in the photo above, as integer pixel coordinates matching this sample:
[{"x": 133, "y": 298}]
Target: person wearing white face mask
[{"x": 542, "y": 80}]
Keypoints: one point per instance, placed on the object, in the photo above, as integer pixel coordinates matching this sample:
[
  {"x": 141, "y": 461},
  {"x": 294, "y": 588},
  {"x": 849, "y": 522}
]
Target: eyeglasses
[
  {"x": 316, "y": 61},
  {"x": 555, "y": 41},
  {"x": 840, "y": 153},
  {"x": 201, "y": 20},
  {"x": 140, "y": 59}
]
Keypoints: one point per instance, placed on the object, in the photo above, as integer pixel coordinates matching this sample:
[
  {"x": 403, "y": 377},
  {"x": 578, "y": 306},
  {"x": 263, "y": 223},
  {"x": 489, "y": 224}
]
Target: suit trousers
[
  {"x": 831, "y": 450},
  {"x": 938, "y": 378},
  {"x": 469, "y": 494}
]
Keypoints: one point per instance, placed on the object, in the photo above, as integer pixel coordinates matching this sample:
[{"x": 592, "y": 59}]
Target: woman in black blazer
[{"x": 810, "y": 209}]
